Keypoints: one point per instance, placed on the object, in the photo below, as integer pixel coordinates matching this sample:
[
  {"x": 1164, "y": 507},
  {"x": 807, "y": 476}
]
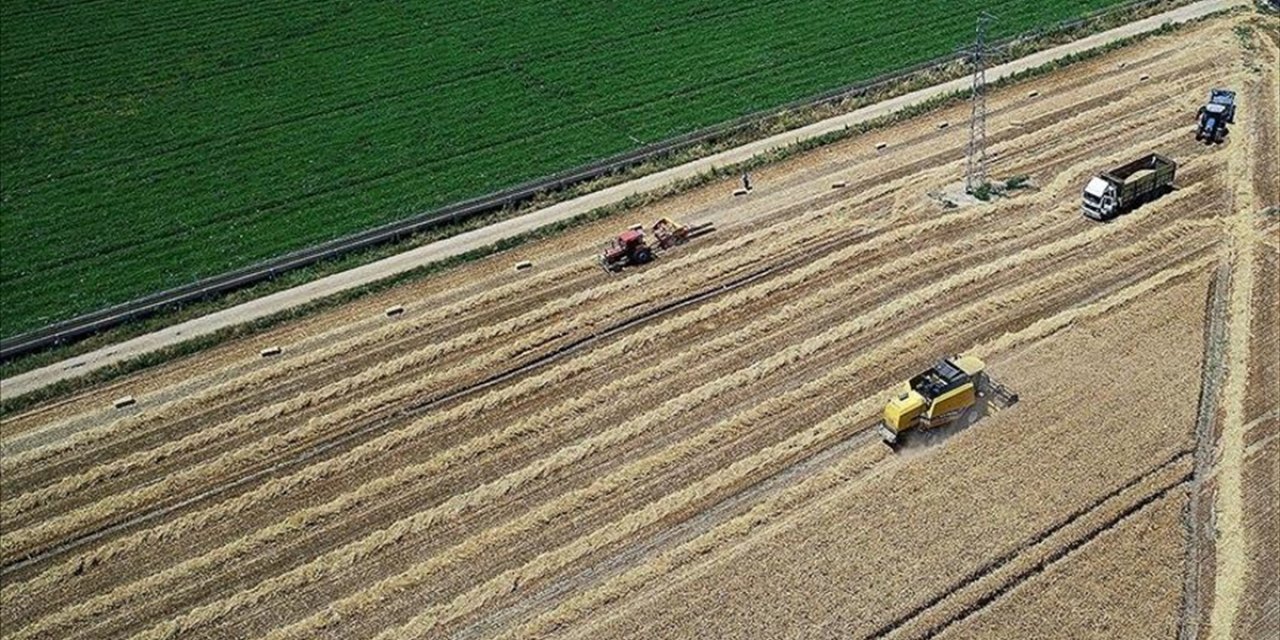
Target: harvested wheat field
[{"x": 687, "y": 449}]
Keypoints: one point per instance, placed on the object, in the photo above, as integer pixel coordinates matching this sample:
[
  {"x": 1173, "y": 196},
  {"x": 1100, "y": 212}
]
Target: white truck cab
[{"x": 1099, "y": 200}]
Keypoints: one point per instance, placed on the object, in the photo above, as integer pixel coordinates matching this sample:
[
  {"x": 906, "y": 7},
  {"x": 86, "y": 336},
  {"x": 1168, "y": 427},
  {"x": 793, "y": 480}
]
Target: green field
[{"x": 148, "y": 144}]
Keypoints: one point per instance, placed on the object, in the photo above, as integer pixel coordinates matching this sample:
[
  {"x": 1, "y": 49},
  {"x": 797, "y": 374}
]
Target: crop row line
[
  {"x": 768, "y": 513},
  {"x": 581, "y": 412},
  {"x": 553, "y": 417},
  {"x": 64, "y": 524},
  {"x": 830, "y": 429},
  {"x": 619, "y": 479}
]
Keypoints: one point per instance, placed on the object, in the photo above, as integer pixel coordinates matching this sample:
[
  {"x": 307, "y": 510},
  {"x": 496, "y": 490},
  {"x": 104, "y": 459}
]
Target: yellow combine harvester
[{"x": 954, "y": 392}]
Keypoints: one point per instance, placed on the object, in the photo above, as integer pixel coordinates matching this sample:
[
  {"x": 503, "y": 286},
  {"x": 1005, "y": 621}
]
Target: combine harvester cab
[
  {"x": 1122, "y": 189},
  {"x": 953, "y": 393}
]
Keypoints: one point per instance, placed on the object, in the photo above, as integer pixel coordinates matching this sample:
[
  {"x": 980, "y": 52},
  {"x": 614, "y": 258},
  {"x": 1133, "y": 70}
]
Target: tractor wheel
[{"x": 643, "y": 256}]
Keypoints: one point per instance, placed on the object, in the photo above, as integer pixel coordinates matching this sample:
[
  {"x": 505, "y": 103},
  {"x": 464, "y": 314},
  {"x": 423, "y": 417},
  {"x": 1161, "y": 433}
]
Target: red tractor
[
  {"x": 631, "y": 247},
  {"x": 628, "y": 249}
]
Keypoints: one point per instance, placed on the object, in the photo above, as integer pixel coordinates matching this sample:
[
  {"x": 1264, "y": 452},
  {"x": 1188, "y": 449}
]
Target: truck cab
[{"x": 1100, "y": 202}]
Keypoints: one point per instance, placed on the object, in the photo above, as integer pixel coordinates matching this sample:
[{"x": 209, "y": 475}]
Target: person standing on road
[{"x": 746, "y": 180}]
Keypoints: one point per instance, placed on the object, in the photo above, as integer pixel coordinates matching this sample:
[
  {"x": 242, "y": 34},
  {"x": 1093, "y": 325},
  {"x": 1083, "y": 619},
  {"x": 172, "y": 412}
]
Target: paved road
[{"x": 478, "y": 238}]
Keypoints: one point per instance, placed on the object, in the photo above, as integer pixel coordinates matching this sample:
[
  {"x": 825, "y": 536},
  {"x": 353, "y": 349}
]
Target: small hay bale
[
  {"x": 1145, "y": 76},
  {"x": 526, "y": 264},
  {"x": 271, "y": 351},
  {"x": 123, "y": 402},
  {"x": 943, "y": 125},
  {"x": 740, "y": 192},
  {"x": 881, "y": 145},
  {"x": 394, "y": 311},
  {"x": 839, "y": 184},
  {"x": 1033, "y": 94}
]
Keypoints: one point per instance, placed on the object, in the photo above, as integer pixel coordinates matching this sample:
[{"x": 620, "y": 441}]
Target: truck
[
  {"x": 1213, "y": 118},
  {"x": 1119, "y": 190}
]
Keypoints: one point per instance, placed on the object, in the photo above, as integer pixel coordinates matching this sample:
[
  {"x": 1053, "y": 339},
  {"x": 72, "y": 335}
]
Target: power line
[{"x": 975, "y": 170}]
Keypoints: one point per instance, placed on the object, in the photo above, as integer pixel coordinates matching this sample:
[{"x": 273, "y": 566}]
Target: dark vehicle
[{"x": 1214, "y": 117}]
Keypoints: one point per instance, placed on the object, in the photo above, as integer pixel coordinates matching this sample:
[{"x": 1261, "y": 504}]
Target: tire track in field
[
  {"x": 817, "y": 268},
  {"x": 231, "y": 391},
  {"x": 151, "y": 493},
  {"x": 22, "y": 434},
  {"x": 440, "y": 615},
  {"x": 977, "y": 329},
  {"x": 721, "y": 539},
  {"x": 993, "y": 579},
  {"x": 975, "y": 274},
  {"x": 1212, "y": 373},
  {"x": 1046, "y": 550}
]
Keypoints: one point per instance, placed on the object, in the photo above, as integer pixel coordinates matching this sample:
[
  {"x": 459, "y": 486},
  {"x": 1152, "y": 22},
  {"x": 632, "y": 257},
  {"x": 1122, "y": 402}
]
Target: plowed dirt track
[{"x": 686, "y": 449}]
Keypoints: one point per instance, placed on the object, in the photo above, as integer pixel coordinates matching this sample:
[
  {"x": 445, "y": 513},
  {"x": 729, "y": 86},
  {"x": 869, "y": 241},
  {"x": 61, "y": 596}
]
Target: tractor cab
[
  {"x": 629, "y": 239},
  {"x": 1214, "y": 116},
  {"x": 629, "y": 248}
]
